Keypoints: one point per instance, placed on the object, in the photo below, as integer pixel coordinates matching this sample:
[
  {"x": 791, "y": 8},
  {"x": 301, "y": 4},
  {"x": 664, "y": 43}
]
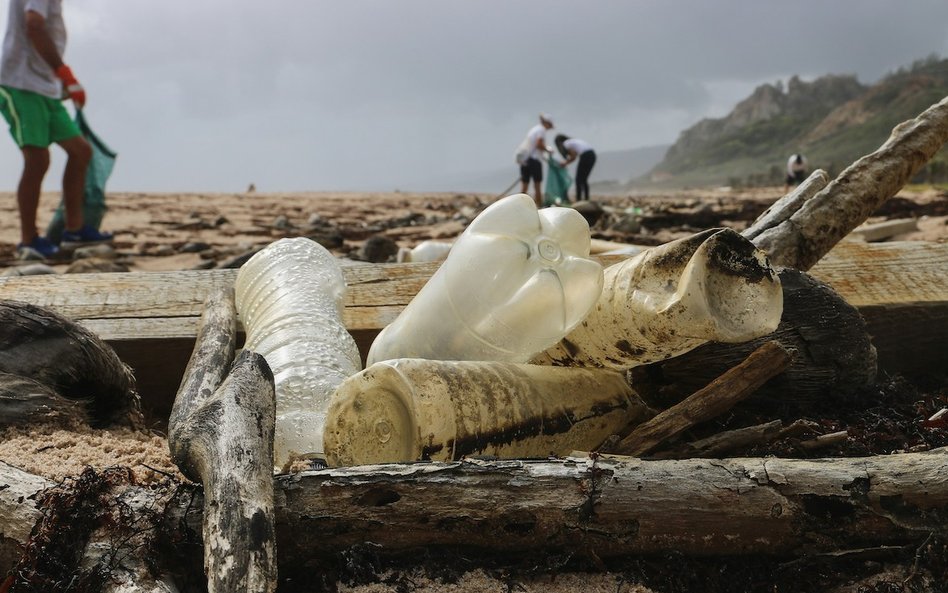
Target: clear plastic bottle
[
  {"x": 410, "y": 409},
  {"x": 713, "y": 286},
  {"x": 515, "y": 282},
  {"x": 290, "y": 297}
]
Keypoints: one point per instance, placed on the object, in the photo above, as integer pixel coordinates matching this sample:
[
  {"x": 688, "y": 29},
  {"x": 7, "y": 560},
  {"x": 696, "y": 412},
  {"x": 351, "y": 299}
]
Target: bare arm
[
  {"x": 570, "y": 157},
  {"x": 36, "y": 33}
]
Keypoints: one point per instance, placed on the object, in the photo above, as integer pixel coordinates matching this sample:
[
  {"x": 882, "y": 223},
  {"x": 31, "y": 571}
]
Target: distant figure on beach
[
  {"x": 528, "y": 157},
  {"x": 796, "y": 171},
  {"x": 572, "y": 149},
  {"x": 34, "y": 81}
]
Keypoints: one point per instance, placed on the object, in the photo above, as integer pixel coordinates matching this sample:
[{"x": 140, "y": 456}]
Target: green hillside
[{"x": 833, "y": 120}]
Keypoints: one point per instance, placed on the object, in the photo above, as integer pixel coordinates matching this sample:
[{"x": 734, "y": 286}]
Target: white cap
[{"x": 547, "y": 118}]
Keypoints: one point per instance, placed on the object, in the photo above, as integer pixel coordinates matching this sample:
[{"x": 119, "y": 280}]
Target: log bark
[
  {"x": 611, "y": 506},
  {"x": 860, "y": 189},
  {"x": 47, "y": 348},
  {"x": 222, "y": 435},
  {"x": 719, "y": 396},
  {"x": 833, "y": 354}
]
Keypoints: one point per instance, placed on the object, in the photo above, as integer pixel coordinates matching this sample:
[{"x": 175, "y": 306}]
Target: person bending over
[{"x": 573, "y": 149}]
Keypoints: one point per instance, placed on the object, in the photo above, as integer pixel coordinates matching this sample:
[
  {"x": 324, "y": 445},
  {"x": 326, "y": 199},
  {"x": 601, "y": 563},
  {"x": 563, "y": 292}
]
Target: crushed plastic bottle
[
  {"x": 515, "y": 282},
  {"x": 290, "y": 298},
  {"x": 424, "y": 251},
  {"x": 713, "y": 286},
  {"x": 411, "y": 409}
]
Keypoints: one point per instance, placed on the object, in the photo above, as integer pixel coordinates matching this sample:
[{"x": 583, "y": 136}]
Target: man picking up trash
[{"x": 33, "y": 82}]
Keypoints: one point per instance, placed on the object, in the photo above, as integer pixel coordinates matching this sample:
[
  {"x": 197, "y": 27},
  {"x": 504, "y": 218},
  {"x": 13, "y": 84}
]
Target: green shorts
[{"x": 35, "y": 120}]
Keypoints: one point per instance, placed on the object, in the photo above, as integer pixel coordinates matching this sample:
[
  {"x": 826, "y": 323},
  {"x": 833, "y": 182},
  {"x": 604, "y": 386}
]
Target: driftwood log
[
  {"x": 822, "y": 221},
  {"x": 221, "y": 434},
  {"x": 720, "y": 395},
  {"x": 833, "y": 354},
  {"x": 49, "y": 349},
  {"x": 608, "y": 507}
]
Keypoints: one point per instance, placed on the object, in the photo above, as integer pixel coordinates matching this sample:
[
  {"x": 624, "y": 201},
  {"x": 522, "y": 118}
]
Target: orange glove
[{"x": 71, "y": 85}]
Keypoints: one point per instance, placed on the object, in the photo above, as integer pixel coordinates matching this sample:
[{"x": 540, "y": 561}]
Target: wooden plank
[
  {"x": 151, "y": 318},
  {"x": 123, "y": 306}
]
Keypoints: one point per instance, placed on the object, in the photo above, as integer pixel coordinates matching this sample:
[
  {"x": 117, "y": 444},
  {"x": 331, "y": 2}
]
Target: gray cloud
[{"x": 309, "y": 95}]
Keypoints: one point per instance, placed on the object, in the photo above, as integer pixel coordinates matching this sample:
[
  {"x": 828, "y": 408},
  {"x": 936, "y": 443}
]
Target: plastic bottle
[
  {"x": 424, "y": 251},
  {"x": 290, "y": 297},
  {"x": 410, "y": 409},
  {"x": 713, "y": 286},
  {"x": 515, "y": 282}
]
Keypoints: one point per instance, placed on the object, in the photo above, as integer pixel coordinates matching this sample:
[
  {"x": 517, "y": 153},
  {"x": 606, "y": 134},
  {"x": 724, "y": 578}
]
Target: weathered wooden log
[
  {"x": 24, "y": 401},
  {"x": 92, "y": 532},
  {"x": 860, "y": 189},
  {"x": 833, "y": 353},
  {"x": 52, "y": 350},
  {"x": 786, "y": 206},
  {"x": 609, "y": 507},
  {"x": 223, "y": 436},
  {"x": 720, "y": 395}
]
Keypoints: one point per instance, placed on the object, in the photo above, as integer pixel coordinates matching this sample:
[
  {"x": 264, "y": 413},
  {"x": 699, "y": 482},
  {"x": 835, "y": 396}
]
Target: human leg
[
  {"x": 78, "y": 155},
  {"x": 583, "y": 169},
  {"x": 35, "y": 165}
]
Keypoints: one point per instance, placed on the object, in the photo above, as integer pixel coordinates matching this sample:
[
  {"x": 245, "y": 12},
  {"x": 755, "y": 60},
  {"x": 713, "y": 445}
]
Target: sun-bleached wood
[{"x": 221, "y": 434}]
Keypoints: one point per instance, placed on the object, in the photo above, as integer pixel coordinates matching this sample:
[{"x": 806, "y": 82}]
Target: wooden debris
[
  {"x": 222, "y": 435},
  {"x": 813, "y": 230},
  {"x": 881, "y": 231},
  {"x": 825, "y": 440},
  {"x": 717, "y": 397},
  {"x": 49, "y": 349},
  {"x": 608, "y": 506},
  {"x": 786, "y": 206}
]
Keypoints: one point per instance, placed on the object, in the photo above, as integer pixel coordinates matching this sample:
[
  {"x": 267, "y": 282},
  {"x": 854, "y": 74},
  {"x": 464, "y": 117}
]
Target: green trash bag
[
  {"x": 558, "y": 181},
  {"x": 100, "y": 167}
]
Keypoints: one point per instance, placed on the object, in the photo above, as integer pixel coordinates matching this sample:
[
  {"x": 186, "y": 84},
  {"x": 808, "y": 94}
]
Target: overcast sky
[{"x": 211, "y": 95}]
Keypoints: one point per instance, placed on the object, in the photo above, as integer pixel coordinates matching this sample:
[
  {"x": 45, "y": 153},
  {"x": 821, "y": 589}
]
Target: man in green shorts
[{"x": 33, "y": 82}]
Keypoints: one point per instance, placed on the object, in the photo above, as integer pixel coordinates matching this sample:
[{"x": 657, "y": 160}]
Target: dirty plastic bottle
[
  {"x": 515, "y": 282},
  {"x": 411, "y": 409},
  {"x": 713, "y": 286},
  {"x": 424, "y": 251},
  {"x": 289, "y": 297}
]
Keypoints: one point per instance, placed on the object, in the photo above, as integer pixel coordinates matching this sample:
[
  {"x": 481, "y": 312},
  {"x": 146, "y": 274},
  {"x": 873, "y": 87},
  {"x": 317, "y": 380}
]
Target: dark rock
[
  {"x": 378, "y": 249},
  {"x": 591, "y": 211},
  {"x": 194, "y": 247},
  {"x": 89, "y": 265}
]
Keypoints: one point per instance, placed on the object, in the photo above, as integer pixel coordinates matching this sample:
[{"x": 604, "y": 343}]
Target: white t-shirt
[
  {"x": 577, "y": 145},
  {"x": 22, "y": 66},
  {"x": 528, "y": 148},
  {"x": 793, "y": 166}
]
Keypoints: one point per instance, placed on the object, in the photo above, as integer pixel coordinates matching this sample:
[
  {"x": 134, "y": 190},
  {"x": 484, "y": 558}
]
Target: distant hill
[{"x": 833, "y": 120}]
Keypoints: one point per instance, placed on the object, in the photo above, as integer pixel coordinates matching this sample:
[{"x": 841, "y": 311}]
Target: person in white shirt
[
  {"x": 528, "y": 157},
  {"x": 796, "y": 171},
  {"x": 573, "y": 149}
]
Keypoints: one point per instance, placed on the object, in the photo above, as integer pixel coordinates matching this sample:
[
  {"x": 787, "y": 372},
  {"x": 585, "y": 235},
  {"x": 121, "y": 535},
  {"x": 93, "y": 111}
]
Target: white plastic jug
[
  {"x": 515, "y": 282},
  {"x": 410, "y": 409},
  {"x": 290, "y": 297},
  {"x": 424, "y": 251}
]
